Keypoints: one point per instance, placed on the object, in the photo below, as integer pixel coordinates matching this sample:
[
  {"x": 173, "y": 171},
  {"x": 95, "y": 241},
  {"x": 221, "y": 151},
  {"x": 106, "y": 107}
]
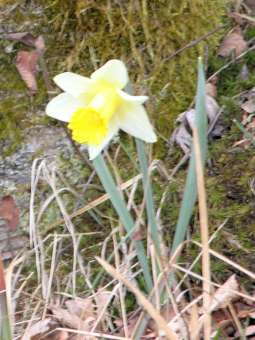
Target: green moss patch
[{"x": 82, "y": 35}]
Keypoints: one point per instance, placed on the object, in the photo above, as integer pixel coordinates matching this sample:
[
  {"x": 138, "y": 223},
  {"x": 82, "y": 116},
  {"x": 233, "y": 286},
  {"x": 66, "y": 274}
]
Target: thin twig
[
  {"x": 231, "y": 63},
  {"x": 246, "y": 17},
  {"x": 195, "y": 42},
  {"x": 199, "y": 255},
  {"x": 229, "y": 262}
]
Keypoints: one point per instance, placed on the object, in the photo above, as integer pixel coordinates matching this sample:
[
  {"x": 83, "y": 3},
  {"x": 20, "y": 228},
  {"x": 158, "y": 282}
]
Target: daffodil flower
[{"x": 97, "y": 107}]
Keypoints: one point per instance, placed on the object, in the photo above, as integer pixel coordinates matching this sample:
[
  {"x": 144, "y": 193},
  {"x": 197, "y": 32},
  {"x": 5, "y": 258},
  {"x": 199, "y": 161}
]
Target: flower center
[
  {"x": 90, "y": 124},
  {"x": 87, "y": 126}
]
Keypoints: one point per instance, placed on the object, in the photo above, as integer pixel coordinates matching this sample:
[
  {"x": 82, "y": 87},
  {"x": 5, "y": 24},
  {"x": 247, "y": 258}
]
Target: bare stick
[
  {"x": 195, "y": 42},
  {"x": 231, "y": 62}
]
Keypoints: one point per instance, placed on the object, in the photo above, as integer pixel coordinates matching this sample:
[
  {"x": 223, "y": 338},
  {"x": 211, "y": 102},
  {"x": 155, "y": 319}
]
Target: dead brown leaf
[
  {"x": 244, "y": 73},
  {"x": 52, "y": 335},
  {"x": 250, "y": 330},
  {"x": 250, "y": 4},
  {"x": 83, "y": 308},
  {"x": 224, "y": 295},
  {"x": 248, "y": 119},
  {"x": 244, "y": 311},
  {"x": 178, "y": 325},
  {"x": 233, "y": 43},
  {"x": 9, "y": 211},
  {"x": 23, "y": 37},
  {"x": 131, "y": 323},
  {"x": 26, "y": 64},
  {"x": 61, "y": 335},
  {"x": 249, "y": 105},
  {"x": 79, "y": 315},
  {"x": 43, "y": 330},
  {"x": 27, "y": 39},
  {"x": 71, "y": 320},
  {"x": 27, "y": 61},
  {"x": 102, "y": 298},
  {"x": 137, "y": 235},
  {"x": 183, "y": 133},
  {"x": 211, "y": 87},
  {"x": 252, "y": 314},
  {"x": 222, "y": 318},
  {"x": 39, "y": 44},
  {"x": 237, "y": 18}
]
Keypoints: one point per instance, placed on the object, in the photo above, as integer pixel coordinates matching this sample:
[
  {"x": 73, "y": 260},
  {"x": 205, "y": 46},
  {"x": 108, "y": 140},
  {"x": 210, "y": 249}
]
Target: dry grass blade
[
  {"x": 154, "y": 165},
  {"x": 204, "y": 235},
  {"x": 38, "y": 328},
  {"x": 230, "y": 262},
  {"x": 199, "y": 277},
  {"x": 94, "y": 334},
  {"x": 121, "y": 291},
  {"x": 193, "y": 322},
  {"x": 144, "y": 318},
  {"x": 52, "y": 269},
  {"x": 160, "y": 321},
  {"x": 199, "y": 256},
  {"x": 95, "y": 203}
]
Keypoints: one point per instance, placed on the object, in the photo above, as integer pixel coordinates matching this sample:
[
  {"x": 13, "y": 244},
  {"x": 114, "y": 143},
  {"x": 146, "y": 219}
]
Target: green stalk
[
  {"x": 148, "y": 194},
  {"x": 190, "y": 190},
  {"x": 124, "y": 215}
]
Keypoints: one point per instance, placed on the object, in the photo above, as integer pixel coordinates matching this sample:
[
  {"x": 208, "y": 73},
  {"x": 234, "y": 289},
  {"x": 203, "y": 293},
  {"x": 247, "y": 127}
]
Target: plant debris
[
  {"x": 26, "y": 64},
  {"x": 27, "y": 61},
  {"x": 9, "y": 211},
  {"x": 182, "y": 135},
  {"x": 233, "y": 44}
]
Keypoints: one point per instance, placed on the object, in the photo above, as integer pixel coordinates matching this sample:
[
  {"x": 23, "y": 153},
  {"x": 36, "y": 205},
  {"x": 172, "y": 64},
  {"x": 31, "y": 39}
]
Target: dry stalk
[
  {"x": 203, "y": 217},
  {"x": 160, "y": 321}
]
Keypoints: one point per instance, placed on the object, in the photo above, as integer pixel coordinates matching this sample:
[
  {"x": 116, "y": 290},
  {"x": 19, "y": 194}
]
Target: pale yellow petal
[
  {"x": 133, "y": 120},
  {"x": 72, "y": 83},
  {"x": 113, "y": 72},
  {"x": 133, "y": 99},
  {"x": 94, "y": 150},
  {"x": 62, "y": 107}
]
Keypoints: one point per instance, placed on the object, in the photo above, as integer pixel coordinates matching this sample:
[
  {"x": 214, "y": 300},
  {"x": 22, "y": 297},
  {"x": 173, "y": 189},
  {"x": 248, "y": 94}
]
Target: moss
[{"x": 142, "y": 33}]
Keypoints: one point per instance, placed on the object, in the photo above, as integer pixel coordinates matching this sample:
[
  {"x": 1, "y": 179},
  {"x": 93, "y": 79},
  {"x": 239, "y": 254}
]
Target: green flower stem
[
  {"x": 148, "y": 194},
  {"x": 190, "y": 190},
  {"x": 124, "y": 215}
]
